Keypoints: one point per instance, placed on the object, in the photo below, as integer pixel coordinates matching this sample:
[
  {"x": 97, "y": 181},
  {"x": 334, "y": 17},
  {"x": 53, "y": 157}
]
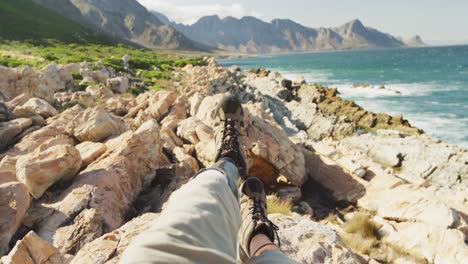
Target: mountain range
[
  {"x": 252, "y": 35},
  {"x": 128, "y": 21}
]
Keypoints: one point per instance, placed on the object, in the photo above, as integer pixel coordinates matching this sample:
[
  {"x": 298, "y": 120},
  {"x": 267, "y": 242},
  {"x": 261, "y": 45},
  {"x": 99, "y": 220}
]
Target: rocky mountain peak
[
  {"x": 354, "y": 26},
  {"x": 415, "y": 41},
  {"x": 209, "y": 19},
  {"x": 284, "y": 22}
]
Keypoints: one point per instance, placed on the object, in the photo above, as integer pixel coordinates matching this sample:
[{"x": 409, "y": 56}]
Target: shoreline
[
  {"x": 449, "y": 122},
  {"x": 233, "y": 54}
]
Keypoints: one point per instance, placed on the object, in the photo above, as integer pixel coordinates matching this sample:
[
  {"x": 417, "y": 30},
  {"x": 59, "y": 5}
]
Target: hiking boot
[
  {"x": 230, "y": 122},
  {"x": 254, "y": 217}
]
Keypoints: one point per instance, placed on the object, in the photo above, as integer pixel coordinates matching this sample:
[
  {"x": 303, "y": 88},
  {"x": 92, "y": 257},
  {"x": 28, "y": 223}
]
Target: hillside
[
  {"x": 23, "y": 19},
  {"x": 124, "y": 19},
  {"x": 252, "y": 35}
]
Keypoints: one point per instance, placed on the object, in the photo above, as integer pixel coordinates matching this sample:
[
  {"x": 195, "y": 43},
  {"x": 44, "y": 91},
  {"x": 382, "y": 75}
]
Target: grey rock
[
  {"x": 287, "y": 84},
  {"x": 286, "y": 95},
  {"x": 118, "y": 84},
  {"x": 4, "y": 112},
  {"x": 290, "y": 193},
  {"x": 306, "y": 241},
  {"x": 35, "y": 106},
  {"x": 417, "y": 159}
]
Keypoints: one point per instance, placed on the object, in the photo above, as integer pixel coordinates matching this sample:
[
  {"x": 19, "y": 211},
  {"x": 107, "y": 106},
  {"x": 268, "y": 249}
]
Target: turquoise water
[{"x": 429, "y": 86}]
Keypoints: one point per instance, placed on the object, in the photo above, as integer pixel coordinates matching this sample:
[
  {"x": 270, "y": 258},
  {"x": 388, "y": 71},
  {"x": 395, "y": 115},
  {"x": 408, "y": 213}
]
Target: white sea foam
[
  {"x": 348, "y": 91},
  {"x": 401, "y": 89},
  {"x": 310, "y": 76},
  {"x": 446, "y": 126},
  {"x": 443, "y": 126}
]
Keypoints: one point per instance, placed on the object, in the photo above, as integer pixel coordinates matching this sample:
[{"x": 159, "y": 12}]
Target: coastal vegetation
[{"x": 151, "y": 67}]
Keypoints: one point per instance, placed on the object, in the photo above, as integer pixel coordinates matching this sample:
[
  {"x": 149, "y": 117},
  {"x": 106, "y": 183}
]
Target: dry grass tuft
[
  {"x": 277, "y": 206},
  {"x": 332, "y": 219},
  {"x": 361, "y": 233},
  {"x": 358, "y": 243},
  {"x": 399, "y": 252},
  {"x": 363, "y": 225}
]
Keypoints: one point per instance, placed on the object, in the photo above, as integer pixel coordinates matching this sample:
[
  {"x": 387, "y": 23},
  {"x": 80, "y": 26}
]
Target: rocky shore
[{"x": 84, "y": 169}]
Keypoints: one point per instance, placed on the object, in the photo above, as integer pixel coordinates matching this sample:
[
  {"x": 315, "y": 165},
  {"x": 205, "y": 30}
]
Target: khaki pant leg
[{"x": 199, "y": 225}]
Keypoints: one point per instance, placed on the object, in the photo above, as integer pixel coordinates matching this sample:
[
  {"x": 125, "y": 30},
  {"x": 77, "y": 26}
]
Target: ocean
[{"x": 428, "y": 86}]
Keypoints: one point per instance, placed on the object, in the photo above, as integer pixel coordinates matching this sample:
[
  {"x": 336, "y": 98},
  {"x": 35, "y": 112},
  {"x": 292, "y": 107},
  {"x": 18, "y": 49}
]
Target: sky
[{"x": 438, "y": 22}]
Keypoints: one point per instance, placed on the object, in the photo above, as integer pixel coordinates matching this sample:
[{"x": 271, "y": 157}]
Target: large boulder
[
  {"x": 43, "y": 83},
  {"x": 9, "y": 131},
  {"x": 49, "y": 163},
  {"x": 269, "y": 150},
  {"x": 64, "y": 121},
  {"x": 99, "y": 92},
  {"x": 342, "y": 185},
  {"x": 110, "y": 247},
  {"x": 417, "y": 159},
  {"x": 14, "y": 202},
  {"x": 90, "y": 151},
  {"x": 118, "y": 84},
  {"x": 151, "y": 105},
  {"x": 86, "y": 227},
  {"x": 209, "y": 80},
  {"x": 439, "y": 245},
  {"x": 18, "y": 101},
  {"x": 270, "y": 147},
  {"x": 35, "y": 106},
  {"x": 408, "y": 202},
  {"x": 176, "y": 114},
  {"x": 34, "y": 250},
  {"x": 95, "y": 124},
  {"x": 306, "y": 241},
  {"x": 110, "y": 185},
  {"x": 7, "y": 169}
]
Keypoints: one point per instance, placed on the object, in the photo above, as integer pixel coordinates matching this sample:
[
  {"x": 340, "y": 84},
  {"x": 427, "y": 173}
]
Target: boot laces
[
  {"x": 229, "y": 133},
  {"x": 259, "y": 214}
]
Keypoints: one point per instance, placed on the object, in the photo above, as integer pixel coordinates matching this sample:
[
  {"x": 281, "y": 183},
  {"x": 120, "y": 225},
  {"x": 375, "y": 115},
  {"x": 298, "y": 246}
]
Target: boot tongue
[{"x": 253, "y": 188}]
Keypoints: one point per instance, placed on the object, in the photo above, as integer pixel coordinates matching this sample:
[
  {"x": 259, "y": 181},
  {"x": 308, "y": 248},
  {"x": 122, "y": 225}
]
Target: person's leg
[
  {"x": 199, "y": 225},
  {"x": 257, "y": 234}
]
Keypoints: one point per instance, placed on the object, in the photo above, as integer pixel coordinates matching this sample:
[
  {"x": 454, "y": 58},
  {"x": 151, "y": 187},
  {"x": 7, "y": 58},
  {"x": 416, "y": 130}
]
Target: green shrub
[
  {"x": 166, "y": 67},
  {"x": 114, "y": 63},
  {"x": 155, "y": 75},
  {"x": 51, "y": 57},
  {"x": 47, "y": 50},
  {"x": 12, "y": 62},
  {"x": 77, "y": 77},
  {"x": 141, "y": 63},
  {"x": 156, "y": 87},
  {"x": 136, "y": 91}
]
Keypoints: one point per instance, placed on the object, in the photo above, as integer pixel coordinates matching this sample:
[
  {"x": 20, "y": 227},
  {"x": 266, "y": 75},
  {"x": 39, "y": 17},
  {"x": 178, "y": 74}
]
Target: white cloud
[{"x": 190, "y": 13}]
